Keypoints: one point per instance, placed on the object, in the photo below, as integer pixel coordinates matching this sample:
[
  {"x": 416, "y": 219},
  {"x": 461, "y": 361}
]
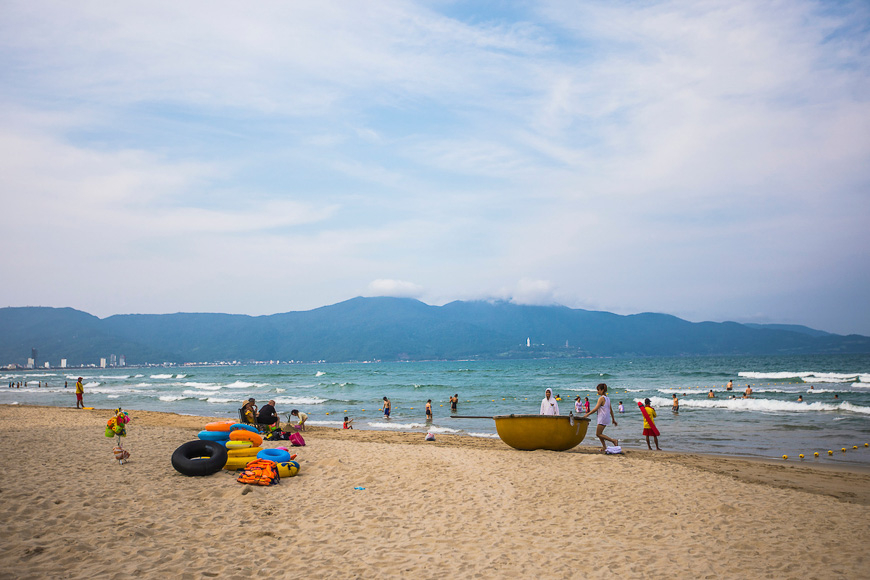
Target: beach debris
[
  {"x": 430, "y": 436},
  {"x": 359, "y": 488}
]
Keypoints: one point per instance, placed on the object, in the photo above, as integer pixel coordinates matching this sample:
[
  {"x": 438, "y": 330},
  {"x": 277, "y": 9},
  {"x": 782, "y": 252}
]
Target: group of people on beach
[
  {"x": 267, "y": 415},
  {"x": 387, "y": 407},
  {"x": 604, "y": 415}
]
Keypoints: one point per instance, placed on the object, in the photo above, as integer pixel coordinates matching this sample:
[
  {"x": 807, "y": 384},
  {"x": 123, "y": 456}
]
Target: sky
[{"x": 706, "y": 159}]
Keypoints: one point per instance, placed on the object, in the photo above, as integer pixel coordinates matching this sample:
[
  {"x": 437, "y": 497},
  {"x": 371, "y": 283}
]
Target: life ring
[
  {"x": 244, "y": 451},
  {"x": 244, "y": 435},
  {"x": 238, "y": 444},
  {"x": 214, "y": 435},
  {"x": 237, "y": 426},
  {"x": 236, "y": 463},
  {"x": 201, "y": 457},
  {"x": 276, "y": 455},
  {"x": 219, "y": 426},
  {"x": 288, "y": 468}
]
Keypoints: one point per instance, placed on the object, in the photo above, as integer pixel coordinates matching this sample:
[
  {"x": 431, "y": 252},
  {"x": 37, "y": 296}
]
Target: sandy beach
[{"x": 458, "y": 507}]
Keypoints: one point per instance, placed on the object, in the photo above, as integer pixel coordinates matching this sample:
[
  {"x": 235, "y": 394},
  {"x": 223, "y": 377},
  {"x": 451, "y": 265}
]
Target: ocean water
[{"x": 768, "y": 425}]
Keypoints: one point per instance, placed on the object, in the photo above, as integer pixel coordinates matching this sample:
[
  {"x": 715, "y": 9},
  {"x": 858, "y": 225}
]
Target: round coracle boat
[{"x": 530, "y": 432}]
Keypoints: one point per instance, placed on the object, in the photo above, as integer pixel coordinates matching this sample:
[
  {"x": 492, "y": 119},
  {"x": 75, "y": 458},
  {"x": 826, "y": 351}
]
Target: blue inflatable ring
[
  {"x": 251, "y": 428},
  {"x": 276, "y": 455},
  {"x": 219, "y": 436}
]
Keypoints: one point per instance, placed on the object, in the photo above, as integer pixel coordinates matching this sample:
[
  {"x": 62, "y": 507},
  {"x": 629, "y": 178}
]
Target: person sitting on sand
[
  {"x": 267, "y": 414},
  {"x": 249, "y": 410},
  {"x": 348, "y": 423},
  {"x": 647, "y": 428},
  {"x": 300, "y": 426},
  {"x": 605, "y": 416},
  {"x": 676, "y": 406},
  {"x": 710, "y": 395},
  {"x": 549, "y": 406}
]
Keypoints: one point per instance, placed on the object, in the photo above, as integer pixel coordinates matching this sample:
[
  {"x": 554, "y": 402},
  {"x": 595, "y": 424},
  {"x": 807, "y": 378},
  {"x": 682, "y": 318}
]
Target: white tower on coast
[{"x": 529, "y": 342}]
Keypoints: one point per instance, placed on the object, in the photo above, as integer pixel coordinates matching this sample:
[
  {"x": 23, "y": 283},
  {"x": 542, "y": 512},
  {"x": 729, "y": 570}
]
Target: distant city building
[
  {"x": 123, "y": 361},
  {"x": 102, "y": 363},
  {"x": 30, "y": 363},
  {"x": 34, "y": 354},
  {"x": 113, "y": 360},
  {"x": 47, "y": 365},
  {"x": 63, "y": 363}
]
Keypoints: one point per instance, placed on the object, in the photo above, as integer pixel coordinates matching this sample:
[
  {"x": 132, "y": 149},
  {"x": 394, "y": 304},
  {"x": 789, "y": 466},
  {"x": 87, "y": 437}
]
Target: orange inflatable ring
[
  {"x": 219, "y": 426},
  {"x": 244, "y": 452},
  {"x": 244, "y": 435}
]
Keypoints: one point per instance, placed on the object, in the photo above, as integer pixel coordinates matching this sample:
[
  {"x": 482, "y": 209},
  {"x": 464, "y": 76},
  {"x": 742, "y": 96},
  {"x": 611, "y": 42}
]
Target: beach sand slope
[{"x": 459, "y": 507}]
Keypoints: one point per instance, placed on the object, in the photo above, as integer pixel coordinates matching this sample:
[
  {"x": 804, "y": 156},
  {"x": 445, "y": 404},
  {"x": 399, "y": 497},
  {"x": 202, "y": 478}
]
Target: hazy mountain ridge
[{"x": 393, "y": 329}]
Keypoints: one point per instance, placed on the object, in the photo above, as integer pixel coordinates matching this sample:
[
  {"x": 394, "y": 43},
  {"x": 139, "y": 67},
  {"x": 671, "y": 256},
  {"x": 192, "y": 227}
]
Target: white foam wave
[
  {"x": 245, "y": 385},
  {"x": 161, "y": 376},
  {"x": 299, "y": 400},
  {"x": 325, "y": 423},
  {"x": 760, "y": 405},
  {"x": 171, "y": 398},
  {"x": 810, "y": 376},
  {"x": 222, "y": 400},
  {"x": 437, "y": 429},
  {"x": 484, "y": 435},
  {"x": 204, "y": 386},
  {"x": 397, "y": 426},
  {"x": 319, "y": 374},
  {"x": 180, "y": 376}
]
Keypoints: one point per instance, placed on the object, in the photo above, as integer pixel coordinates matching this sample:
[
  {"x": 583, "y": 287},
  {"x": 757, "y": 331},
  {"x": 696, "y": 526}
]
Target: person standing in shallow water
[
  {"x": 605, "y": 416},
  {"x": 454, "y": 400},
  {"x": 386, "y": 408},
  {"x": 676, "y": 405},
  {"x": 429, "y": 410}
]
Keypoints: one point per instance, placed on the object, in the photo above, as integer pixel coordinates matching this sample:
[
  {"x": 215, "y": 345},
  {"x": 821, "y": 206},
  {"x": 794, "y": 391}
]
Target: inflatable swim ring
[
  {"x": 236, "y": 463},
  {"x": 214, "y": 435},
  {"x": 276, "y": 455},
  {"x": 200, "y": 457},
  {"x": 237, "y": 426},
  {"x": 244, "y": 451},
  {"x": 219, "y": 426},
  {"x": 244, "y": 435},
  {"x": 288, "y": 468},
  {"x": 238, "y": 444}
]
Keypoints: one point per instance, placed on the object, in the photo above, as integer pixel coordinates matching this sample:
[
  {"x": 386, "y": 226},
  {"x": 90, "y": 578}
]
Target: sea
[{"x": 834, "y": 414}]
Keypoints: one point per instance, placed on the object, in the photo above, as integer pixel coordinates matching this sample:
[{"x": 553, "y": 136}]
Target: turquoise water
[{"x": 769, "y": 424}]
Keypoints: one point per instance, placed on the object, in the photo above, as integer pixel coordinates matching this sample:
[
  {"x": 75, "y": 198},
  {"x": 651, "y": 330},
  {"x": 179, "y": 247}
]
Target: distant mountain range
[{"x": 364, "y": 329}]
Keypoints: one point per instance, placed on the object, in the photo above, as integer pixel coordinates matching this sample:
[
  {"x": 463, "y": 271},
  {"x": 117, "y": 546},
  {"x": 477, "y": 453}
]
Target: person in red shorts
[
  {"x": 647, "y": 428},
  {"x": 80, "y": 391}
]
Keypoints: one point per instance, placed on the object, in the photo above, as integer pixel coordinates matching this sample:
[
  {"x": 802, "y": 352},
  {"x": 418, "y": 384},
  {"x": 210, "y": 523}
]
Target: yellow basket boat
[{"x": 530, "y": 432}]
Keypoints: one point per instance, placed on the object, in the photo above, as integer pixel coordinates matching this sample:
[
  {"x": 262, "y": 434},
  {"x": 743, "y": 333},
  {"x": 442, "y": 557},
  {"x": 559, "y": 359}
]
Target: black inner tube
[{"x": 199, "y": 457}]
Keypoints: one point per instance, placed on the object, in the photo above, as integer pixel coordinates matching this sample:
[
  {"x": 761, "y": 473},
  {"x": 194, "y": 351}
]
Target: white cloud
[{"x": 394, "y": 288}]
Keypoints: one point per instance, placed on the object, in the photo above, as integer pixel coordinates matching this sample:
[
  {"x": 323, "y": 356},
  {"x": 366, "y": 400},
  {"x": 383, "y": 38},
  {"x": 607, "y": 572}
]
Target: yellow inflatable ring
[
  {"x": 235, "y": 463},
  {"x": 219, "y": 426},
  {"x": 243, "y": 451},
  {"x": 244, "y": 435},
  {"x": 288, "y": 468},
  {"x": 238, "y": 444}
]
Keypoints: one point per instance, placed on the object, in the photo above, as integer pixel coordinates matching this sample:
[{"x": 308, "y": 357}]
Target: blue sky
[{"x": 709, "y": 160}]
